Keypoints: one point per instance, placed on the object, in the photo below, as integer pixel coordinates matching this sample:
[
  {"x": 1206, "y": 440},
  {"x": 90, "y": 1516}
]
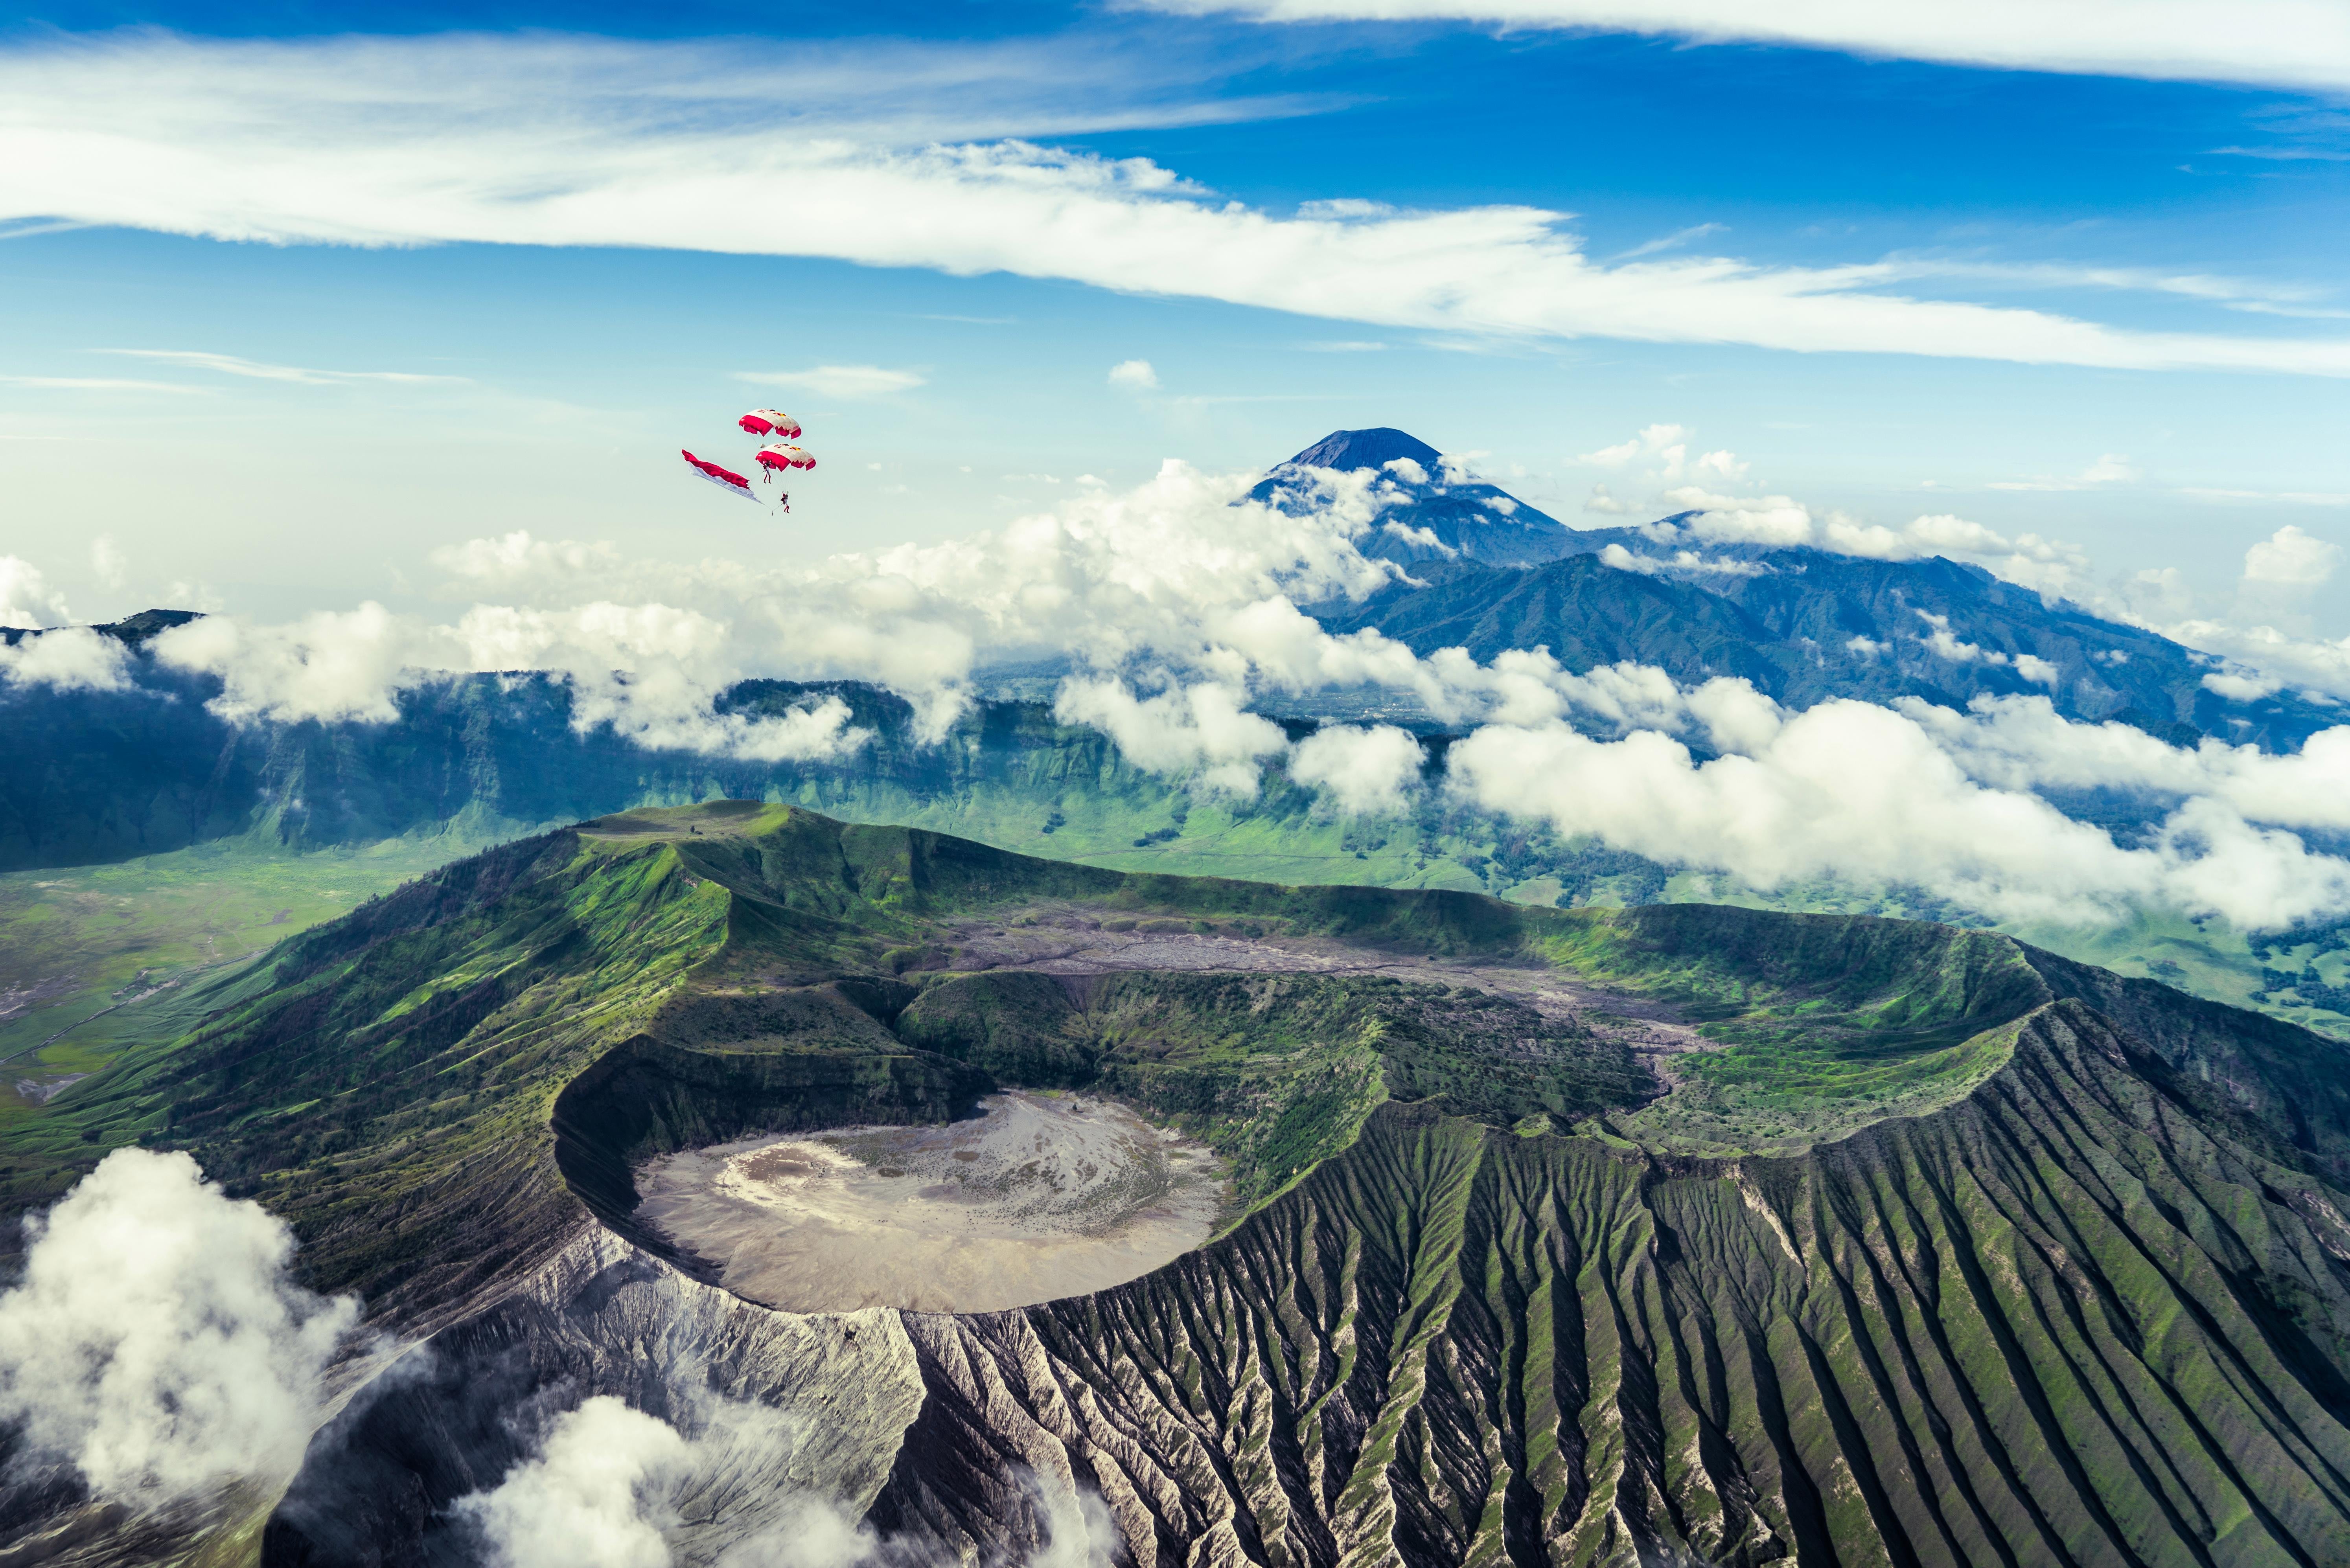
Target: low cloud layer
[
  {"x": 1660, "y": 470},
  {"x": 1177, "y": 605},
  {"x": 67, "y": 659},
  {"x": 157, "y": 1342},
  {"x": 1928, "y": 798},
  {"x": 1179, "y": 577}
]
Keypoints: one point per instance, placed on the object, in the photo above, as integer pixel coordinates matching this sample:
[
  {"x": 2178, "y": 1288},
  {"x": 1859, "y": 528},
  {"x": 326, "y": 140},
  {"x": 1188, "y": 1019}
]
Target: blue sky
[{"x": 2095, "y": 215}]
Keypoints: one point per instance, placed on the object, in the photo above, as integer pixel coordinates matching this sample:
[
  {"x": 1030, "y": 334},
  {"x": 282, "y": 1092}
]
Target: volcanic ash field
[{"x": 1041, "y": 1196}]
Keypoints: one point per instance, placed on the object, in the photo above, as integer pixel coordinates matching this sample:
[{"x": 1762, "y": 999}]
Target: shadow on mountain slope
[{"x": 2090, "y": 1301}]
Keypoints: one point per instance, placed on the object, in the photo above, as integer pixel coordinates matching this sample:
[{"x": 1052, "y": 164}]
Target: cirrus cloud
[
  {"x": 2266, "y": 43},
  {"x": 553, "y": 142},
  {"x": 837, "y": 380}
]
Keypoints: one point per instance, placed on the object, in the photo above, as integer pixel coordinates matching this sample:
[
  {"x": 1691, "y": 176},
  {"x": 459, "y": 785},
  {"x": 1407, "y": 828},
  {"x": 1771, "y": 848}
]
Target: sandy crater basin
[{"x": 1041, "y": 1196}]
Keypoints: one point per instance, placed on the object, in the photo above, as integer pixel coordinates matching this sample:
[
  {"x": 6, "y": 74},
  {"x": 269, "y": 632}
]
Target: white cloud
[
  {"x": 330, "y": 666},
  {"x": 1181, "y": 575},
  {"x": 837, "y": 380},
  {"x": 555, "y": 142},
  {"x": 2292, "y": 558},
  {"x": 1946, "y": 645},
  {"x": 2023, "y": 742},
  {"x": 1424, "y": 537},
  {"x": 94, "y": 384},
  {"x": 1365, "y": 770},
  {"x": 69, "y": 658},
  {"x": 1867, "y": 795},
  {"x": 1671, "y": 242},
  {"x": 611, "y": 1487},
  {"x": 1664, "y": 445},
  {"x": 259, "y": 370},
  {"x": 1689, "y": 561},
  {"x": 26, "y": 600},
  {"x": 2240, "y": 686},
  {"x": 2047, "y": 567},
  {"x": 2267, "y": 43},
  {"x": 1198, "y": 732},
  {"x": 107, "y": 563},
  {"x": 2263, "y": 660},
  {"x": 1135, "y": 375},
  {"x": 582, "y": 1502},
  {"x": 2111, "y": 468},
  {"x": 1719, "y": 466},
  {"x": 157, "y": 1341}
]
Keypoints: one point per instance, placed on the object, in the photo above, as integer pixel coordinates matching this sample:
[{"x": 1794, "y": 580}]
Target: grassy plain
[{"x": 96, "y": 958}]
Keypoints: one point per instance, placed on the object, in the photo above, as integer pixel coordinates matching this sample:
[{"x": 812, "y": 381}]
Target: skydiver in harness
[{"x": 768, "y": 476}]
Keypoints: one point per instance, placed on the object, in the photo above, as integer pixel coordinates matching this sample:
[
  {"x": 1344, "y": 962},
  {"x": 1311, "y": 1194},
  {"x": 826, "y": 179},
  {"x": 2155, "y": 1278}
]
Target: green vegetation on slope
[
  {"x": 98, "y": 957},
  {"x": 2074, "y": 1288},
  {"x": 390, "y": 1080},
  {"x": 1278, "y": 1071},
  {"x": 2070, "y": 1320},
  {"x": 397, "y": 1080}
]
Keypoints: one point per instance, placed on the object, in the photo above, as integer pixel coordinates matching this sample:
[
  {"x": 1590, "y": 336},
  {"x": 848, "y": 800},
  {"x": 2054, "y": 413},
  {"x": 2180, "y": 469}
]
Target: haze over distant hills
[{"x": 151, "y": 768}]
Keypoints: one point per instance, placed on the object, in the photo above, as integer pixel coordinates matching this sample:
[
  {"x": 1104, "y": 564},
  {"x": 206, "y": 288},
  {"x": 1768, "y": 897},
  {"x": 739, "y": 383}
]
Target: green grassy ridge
[
  {"x": 1009, "y": 776},
  {"x": 1893, "y": 978},
  {"x": 1277, "y": 1071},
  {"x": 390, "y": 1080},
  {"x": 1847, "y": 1020},
  {"x": 2064, "y": 1321}
]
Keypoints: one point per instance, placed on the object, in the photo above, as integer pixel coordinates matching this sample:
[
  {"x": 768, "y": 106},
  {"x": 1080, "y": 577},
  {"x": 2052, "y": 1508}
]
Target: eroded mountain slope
[
  {"x": 2059, "y": 1323},
  {"x": 1973, "y": 1255}
]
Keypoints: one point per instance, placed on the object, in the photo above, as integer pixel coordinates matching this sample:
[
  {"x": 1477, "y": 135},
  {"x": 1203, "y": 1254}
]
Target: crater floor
[{"x": 1042, "y": 1196}]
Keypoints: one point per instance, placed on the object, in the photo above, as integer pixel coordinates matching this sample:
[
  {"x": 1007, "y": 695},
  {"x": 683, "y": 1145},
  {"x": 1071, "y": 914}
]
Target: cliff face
[
  {"x": 2062, "y": 1322},
  {"x": 2059, "y": 1323},
  {"x": 2077, "y": 1292}
]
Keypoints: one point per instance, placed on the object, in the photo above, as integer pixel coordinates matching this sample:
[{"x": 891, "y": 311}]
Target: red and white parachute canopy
[
  {"x": 772, "y": 458},
  {"x": 725, "y": 479},
  {"x": 769, "y": 422}
]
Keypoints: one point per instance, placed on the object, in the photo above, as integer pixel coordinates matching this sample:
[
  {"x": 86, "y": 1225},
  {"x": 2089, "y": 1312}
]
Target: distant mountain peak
[
  {"x": 1425, "y": 514},
  {"x": 1350, "y": 449}
]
